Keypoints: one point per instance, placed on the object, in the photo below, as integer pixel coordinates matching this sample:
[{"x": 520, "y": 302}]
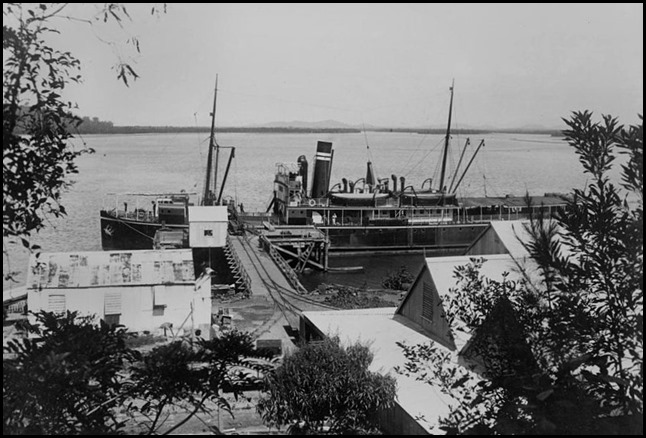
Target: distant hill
[
  {"x": 95, "y": 126},
  {"x": 323, "y": 124}
]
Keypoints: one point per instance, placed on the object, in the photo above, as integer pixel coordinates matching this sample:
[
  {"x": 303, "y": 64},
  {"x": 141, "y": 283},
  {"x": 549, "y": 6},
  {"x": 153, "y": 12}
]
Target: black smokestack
[
  {"x": 394, "y": 182},
  {"x": 302, "y": 171},
  {"x": 345, "y": 185},
  {"x": 403, "y": 181},
  {"x": 322, "y": 169}
]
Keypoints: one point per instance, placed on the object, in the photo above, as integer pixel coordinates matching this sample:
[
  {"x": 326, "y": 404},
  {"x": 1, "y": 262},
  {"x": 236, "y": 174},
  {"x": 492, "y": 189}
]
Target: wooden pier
[
  {"x": 301, "y": 247},
  {"x": 264, "y": 274}
]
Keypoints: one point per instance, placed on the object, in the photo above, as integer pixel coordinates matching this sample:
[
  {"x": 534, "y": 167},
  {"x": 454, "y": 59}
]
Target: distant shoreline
[{"x": 292, "y": 130}]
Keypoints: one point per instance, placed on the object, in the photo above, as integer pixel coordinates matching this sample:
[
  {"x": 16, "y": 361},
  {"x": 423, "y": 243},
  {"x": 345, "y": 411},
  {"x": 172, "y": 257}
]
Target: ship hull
[
  {"x": 441, "y": 237},
  {"x": 125, "y": 234}
]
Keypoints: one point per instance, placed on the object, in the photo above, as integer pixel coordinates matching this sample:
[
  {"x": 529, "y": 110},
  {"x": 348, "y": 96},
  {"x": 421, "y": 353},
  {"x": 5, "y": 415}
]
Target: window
[
  {"x": 208, "y": 233},
  {"x": 56, "y": 303},
  {"x": 159, "y": 296},
  {"x": 427, "y": 302},
  {"x": 112, "y": 303},
  {"x": 159, "y": 300}
]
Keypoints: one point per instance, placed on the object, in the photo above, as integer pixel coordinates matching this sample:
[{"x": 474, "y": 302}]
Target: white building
[
  {"x": 419, "y": 319},
  {"x": 208, "y": 226},
  {"x": 139, "y": 289}
]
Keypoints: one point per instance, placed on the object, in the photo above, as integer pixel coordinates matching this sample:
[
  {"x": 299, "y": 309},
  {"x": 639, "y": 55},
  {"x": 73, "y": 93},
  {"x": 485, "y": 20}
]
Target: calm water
[{"x": 156, "y": 163}]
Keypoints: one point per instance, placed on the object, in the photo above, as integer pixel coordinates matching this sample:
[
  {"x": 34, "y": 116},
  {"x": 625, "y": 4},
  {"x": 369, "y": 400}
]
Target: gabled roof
[
  {"x": 511, "y": 233},
  {"x": 500, "y": 344},
  {"x": 441, "y": 270},
  {"x": 110, "y": 268},
  {"x": 380, "y": 329}
]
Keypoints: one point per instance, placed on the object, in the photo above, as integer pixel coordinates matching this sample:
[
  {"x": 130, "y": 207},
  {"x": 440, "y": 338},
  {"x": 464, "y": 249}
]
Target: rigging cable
[{"x": 439, "y": 143}]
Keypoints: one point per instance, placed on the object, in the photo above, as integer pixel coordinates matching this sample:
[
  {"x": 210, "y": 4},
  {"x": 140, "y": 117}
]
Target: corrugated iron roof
[
  {"x": 442, "y": 269},
  {"x": 110, "y": 268},
  {"x": 381, "y": 330},
  {"x": 510, "y": 231}
]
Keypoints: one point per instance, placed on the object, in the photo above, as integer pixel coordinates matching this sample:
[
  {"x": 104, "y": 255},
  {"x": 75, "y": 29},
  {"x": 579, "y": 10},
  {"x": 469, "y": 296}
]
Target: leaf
[
  {"x": 460, "y": 382},
  {"x": 545, "y": 394}
]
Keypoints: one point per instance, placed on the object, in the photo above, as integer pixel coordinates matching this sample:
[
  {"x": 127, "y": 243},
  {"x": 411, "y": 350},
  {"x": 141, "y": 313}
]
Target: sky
[{"x": 514, "y": 65}]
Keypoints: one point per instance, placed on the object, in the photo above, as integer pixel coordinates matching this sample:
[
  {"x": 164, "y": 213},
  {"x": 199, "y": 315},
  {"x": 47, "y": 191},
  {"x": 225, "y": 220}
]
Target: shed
[
  {"x": 420, "y": 319},
  {"x": 509, "y": 237},
  {"x": 502, "y": 237},
  {"x": 141, "y": 290},
  {"x": 208, "y": 226},
  {"x": 418, "y": 405}
]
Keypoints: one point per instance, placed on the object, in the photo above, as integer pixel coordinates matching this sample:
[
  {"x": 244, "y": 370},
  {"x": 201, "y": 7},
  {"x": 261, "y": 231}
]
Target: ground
[{"x": 265, "y": 317}]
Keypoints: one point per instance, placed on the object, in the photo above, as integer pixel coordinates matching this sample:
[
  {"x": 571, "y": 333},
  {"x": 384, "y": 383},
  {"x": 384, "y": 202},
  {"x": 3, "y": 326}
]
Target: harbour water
[{"x": 158, "y": 163}]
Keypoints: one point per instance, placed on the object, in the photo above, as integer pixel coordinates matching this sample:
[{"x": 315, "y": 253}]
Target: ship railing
[
  {"x": 137, "y": 215},
  {"x": 386, "y": 202},
  {"x": 285, "y": 268},
  {"x": 314, "y": 202}
]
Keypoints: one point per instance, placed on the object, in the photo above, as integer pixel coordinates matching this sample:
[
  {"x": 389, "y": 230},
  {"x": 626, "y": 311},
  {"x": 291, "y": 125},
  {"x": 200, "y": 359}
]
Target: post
[{"x": 446, "y": 141}]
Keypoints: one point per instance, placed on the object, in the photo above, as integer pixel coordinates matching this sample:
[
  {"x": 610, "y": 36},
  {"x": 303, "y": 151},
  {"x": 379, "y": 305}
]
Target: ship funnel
[
  {"x": 345, "y": 185},
  {"x": 403, "y": 182},
  {"x": 322, "y": 169},
  {"x": 351, "y": 186},
  {"x": 394, "y": 182},
  {"x": 370, "y": 175},
  {"x": 302, "y": 171}
]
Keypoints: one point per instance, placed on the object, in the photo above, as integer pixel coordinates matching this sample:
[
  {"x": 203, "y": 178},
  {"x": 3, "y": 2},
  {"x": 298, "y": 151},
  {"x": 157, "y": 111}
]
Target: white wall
[
  {"x": 218, "y": 238},
  {"x": 137, "y": 304}
]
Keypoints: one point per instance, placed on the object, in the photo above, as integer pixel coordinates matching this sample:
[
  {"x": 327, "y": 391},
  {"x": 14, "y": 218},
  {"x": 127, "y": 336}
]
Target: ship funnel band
[{"x": 323, "y": 156}]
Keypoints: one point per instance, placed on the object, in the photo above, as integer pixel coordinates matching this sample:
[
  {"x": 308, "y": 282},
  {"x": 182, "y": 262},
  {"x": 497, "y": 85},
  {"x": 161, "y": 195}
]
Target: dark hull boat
[
  {"x": 123, "y": 230},
  {"x": 140, "y": 228},
  {"x": 378, "y": 217}
]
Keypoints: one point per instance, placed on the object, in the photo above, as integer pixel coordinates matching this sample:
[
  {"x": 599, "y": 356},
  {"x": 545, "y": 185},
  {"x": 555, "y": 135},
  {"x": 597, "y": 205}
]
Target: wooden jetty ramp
[{"x": 273, "y": 278}]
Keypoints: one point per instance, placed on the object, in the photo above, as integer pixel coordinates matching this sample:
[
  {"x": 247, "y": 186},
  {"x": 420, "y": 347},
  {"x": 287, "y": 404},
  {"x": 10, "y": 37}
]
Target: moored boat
[
  {"x": 371, "y": 214},
  {"x": 153, "y": 213}
]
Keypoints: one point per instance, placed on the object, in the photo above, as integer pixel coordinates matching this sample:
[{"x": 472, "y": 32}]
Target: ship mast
[
  {"x": 208, "y": 193},
  {"x": 446, "y": 141}
]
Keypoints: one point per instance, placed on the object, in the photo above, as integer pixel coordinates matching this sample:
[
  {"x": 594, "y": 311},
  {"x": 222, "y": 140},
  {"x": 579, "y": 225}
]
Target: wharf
[
  {"x": 271, "y": 289},
  {"x": 306, "y": 246},
  {"x": 265, "y": 276}
]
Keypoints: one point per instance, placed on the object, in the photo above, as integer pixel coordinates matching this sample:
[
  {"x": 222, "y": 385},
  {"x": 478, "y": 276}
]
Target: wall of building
[
  {"x": 396, "y": 421},
  {"x": 488, "y": 243},
  {"x": 436, "y": 327},
  {"x": 141, "y": 307},
  {"x": 208, "y": 234}
]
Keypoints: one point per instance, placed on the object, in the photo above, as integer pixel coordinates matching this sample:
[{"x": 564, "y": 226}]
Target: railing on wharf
[
  {"x": 285, "y": 268},
  {"x": 242, "y": 279}
]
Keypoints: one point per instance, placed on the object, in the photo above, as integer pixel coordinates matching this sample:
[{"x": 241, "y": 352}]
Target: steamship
[
  {"x": 150, "y": 213},
  {"x": 380, "y": 216}
]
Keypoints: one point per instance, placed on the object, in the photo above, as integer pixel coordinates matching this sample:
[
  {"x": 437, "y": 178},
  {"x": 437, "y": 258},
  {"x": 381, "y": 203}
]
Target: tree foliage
[
  {"x": 398, "y": 280},
  {"x": 194, "y": 377},
  {"x": 76, "y": 377},
  {"x": 37, "y": 122},
  {"x": 325, "y": 387},
  {"x": 584, "y": 321},
  {"x": 66, "y": 379}
]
